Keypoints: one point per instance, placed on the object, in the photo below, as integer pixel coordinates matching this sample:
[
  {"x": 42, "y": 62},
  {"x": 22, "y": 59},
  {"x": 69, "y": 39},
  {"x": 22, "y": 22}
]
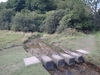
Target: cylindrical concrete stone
[
  {"x": 78, "y": 57},
  {"x": 47, "y": 62},
  {"x": 68, "y": 58},
  {"x": 58, "y": 60}
]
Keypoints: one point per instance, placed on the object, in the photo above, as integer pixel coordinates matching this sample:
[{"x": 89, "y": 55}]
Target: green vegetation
[
  {"x": 62, "y": 20},
  {"x": 11, "y": 59},
  {"x": 10, "y": 38},
  {"x": 94, "y": 57},
  {"x": 50, "y": 24},
  {"x": 73, "y": 40},
  {"x": 49, "y": 16}
]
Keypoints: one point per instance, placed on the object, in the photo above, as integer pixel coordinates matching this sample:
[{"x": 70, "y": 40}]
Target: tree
[
  {"x": 2, "y": 5},
  {"x": 10, "y": 4},
  {"x": 42, "y": 5},
  {"x": 49, "y": 15},
  {"x": 24, "y": 22},
  {"x": 32, "y": 5},
  {"x": 93, "y": 4},
  {"x": 51, "y": 23},
  {"x": 5, "y": 18},
  {"x": 19, "y": 5},
  {"x": 97, "y": 21},
  {"x": 77, "y": 20},
  {"x": 28, "y": 4},
  {"x": 70, "y": 4}
]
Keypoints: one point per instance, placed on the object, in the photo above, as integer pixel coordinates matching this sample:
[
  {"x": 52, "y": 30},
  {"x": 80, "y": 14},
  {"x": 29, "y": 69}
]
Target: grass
[
  {"x": 94, "y": 56},
  {"x": 11, "y": 60},
  {"x": 35, "y": 35},
  {"x": 90, "y": 42},
  {"x": 8, "y": 38}
]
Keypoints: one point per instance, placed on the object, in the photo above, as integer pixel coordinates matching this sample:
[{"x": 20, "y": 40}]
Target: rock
[
  {"x": 68, "y": 58},
  {"x": 58, "y": 60},
  {"x": 78, "y": 57},
  {"x": 31, "y": 60},
  {"x": 47, "y": 62}
]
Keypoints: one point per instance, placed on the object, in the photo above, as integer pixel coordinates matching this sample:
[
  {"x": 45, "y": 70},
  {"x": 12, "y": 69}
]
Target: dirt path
[
  {"x": 37, "y": 48},
  {"x": 77, "y": 69}
]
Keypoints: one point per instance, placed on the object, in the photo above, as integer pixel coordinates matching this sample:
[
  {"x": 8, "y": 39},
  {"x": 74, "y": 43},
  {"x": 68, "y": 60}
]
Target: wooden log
[
  {"x": 58, "y": 60},
  {"x": 68, "y": 58},
  {"x": 47, "y": 62}
]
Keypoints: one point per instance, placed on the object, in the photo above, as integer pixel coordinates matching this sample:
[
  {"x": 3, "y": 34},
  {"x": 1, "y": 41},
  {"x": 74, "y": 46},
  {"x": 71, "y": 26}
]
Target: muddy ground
[{"x": 37, "y": 48}]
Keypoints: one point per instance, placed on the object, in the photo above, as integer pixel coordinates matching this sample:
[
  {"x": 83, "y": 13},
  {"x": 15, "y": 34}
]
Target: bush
[
  {"x": 76, "y": 20},
  {"x": 97, "y": 21},
  {"x": 65, "y": 21},
  {"x": 5, "y": 18},
  {"x": 27, "y": 22},
  {"x": 51, "y": 23},
  {"x": 24, "y": 22},
  {"x": 72, "y": 32}
]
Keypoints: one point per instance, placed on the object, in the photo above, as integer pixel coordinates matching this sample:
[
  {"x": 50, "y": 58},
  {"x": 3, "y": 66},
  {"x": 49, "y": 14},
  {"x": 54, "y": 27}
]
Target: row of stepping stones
[{"x": 59, "y": 60}]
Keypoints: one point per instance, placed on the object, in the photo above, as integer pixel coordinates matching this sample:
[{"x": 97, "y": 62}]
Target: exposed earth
[{"x": 37, "y": 48}]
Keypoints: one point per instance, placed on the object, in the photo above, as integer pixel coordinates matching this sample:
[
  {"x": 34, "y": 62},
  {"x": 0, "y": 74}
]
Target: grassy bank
[
  {"x": 73, "y": 40},
  {"x": 11, "y": 59}
]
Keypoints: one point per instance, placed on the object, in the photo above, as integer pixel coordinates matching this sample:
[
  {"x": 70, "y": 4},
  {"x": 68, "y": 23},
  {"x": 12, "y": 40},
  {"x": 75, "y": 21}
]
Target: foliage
[
  {"x": 50, "y": 15},
  {"x": 97, "y": 21},
  {"x": 93, "y": 4},
  {"x": 41, "y": 5},
  {"x": 50, "y": 24},
  {"x": 24, "y": 22},
  {"x": 71, "y": 4},
  {"x": 32, "y": 5},
  {"x": 5, "y": 18},
  {"x": 11, "y": 59},
  {"x": 2, "y": 5},
  {"x": 75, "y": 19}
]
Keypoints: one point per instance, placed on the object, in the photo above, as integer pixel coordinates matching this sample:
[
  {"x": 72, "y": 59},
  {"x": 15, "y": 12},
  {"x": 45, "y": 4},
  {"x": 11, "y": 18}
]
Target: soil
[
  {"x": 37, "y": 48},
  {"x": 77, "y": 69}
]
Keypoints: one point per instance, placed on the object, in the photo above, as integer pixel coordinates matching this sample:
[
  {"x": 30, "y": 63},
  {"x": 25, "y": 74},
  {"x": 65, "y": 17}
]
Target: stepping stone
[
  {"x": 78, "y": 57},
  {"x": 31, "y": 60},
  {"x": 58, "y": 60},
  {"x": 82, "y": 51},
  {"x": 68, "y": 58},
  {"x": 47, "y": 62}
]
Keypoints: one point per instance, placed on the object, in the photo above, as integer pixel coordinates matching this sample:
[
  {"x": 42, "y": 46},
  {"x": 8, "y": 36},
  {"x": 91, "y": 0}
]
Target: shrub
[
  {"x": 5, "y": 18},
  {"x": 24, "y": 22},
  {"x": 51, "y": 23}
]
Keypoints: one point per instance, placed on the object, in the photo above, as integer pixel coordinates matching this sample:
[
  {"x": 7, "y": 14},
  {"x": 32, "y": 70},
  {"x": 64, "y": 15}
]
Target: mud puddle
[{"x": 37, "y": 48}]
